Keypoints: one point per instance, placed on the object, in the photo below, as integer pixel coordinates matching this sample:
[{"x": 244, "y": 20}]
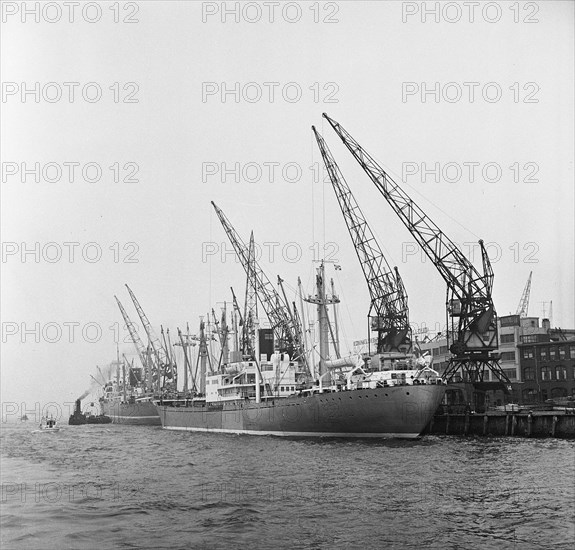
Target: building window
[
  {"x": 510, "y": 373},
  {"x": 572, "y": 352},
  {"x": 529, "y": 373},
  {"x": 527, "y": 353},
  {"x": 443, "y": 349},
  {"x": 508, "y": 356},
  {"x": 529, "y": 339},
  {"x": 552, "y": 353},
  {"x": 562, "y": 353},
  {"x": 561, "y": 373},
  {"x": 558, "y": 392},
  {"x": 543, "y": 354},
  {"x": 529, "y": 396},
  {"x": 507, "y": 338},
  {"x": 546, "y": 373}
]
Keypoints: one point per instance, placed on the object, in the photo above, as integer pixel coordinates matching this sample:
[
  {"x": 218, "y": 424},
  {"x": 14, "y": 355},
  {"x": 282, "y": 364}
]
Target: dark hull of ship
[
  {"x": 391, "y": 412},
  {"x": 139, "y": 413}
]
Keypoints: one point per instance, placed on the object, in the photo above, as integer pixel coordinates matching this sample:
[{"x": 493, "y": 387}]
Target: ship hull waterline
[
  {"x": 140, "y": 413},
  {"x": 389, "y": 412}
]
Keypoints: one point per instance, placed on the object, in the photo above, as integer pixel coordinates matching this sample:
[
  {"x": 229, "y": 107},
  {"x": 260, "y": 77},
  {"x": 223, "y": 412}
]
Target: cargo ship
[
  {"x": 125, "y": 398},
  {"x": 382, "y": 395},
  {"x": 366, "y": 404},
  {"x": 136, "y": 410}
]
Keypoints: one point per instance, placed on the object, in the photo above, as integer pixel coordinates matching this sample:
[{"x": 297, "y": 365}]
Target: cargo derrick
[
  {"x": 469, "y": 300},
  {"x": 162, "y": 361},
  {"x": 388, "y": 311},
  {"x": 148, "y": 364},
  {"x": 288, "y": 335}
]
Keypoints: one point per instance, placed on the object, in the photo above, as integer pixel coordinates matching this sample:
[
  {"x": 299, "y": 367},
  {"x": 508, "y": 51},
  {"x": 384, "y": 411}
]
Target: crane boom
[
  {"x": 152, "y": 337},
  {"x": 287, "y": 334},
  {"x": 162, "y": 361},
  {"x": 471, "y": 292},
  {"x": 523, "y": 306},
  {"x": 470, "y": 304},
  {"x": 138, "y": 344},
  {"x": 388, "y": 311},
  {"x": 454, "y": 267}
]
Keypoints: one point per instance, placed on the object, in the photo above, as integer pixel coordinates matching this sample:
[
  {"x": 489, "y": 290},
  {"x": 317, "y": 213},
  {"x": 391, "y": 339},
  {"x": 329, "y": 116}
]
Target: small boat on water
[{"x": 48, "y": 425}]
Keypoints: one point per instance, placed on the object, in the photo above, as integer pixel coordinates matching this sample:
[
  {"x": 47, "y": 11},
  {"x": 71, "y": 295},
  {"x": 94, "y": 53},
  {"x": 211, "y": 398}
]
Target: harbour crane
[
  {"x": 288, "y": 334},
  {"x": 469, "y": 299},
  {"x": 162, "y": 360},
  {"x": 388, "y": 312},
  {"x": 523, "y": 306},
  {"x": 138, "y": 344}
]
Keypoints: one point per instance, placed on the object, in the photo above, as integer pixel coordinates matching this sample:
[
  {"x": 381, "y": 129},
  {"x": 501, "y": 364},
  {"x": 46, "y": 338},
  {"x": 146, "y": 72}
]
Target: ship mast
[
  {"x": 203, "y": 357},
  {"x": 335, "y": 336},
  {"x": 322, "y": 301}
]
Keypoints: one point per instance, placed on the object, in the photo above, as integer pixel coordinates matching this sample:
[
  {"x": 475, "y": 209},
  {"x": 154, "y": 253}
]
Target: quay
[{"x": 558, "y": 423}]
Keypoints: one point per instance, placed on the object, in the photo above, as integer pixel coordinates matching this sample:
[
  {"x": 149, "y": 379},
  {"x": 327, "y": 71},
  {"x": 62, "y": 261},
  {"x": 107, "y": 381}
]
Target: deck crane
[
  {"x": 288, "y": 335},
  {"x": 388, "y": 312},
  {"x": 162, "y": 361},
  {"x": 469, "y": 300},
  {"x": 139, "y": 345},
  {"x": 523, "y": 306}
]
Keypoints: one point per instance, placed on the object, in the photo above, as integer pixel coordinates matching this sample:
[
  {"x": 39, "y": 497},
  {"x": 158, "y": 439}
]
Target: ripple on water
[{"x": 143, "y": 487}]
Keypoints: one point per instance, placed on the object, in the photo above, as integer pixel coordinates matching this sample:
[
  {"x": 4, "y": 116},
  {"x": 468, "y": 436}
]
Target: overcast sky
[{"x": 165, "y": 127}]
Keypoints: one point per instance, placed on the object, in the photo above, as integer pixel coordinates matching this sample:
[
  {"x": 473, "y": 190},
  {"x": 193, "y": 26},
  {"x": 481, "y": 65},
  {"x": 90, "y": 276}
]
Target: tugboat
[{"x": 79, "y": 418}]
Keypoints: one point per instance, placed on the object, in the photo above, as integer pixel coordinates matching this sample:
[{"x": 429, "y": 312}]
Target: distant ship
[
  {"x": 132, "y": 405},
  {"x": 137, "y": 410}
]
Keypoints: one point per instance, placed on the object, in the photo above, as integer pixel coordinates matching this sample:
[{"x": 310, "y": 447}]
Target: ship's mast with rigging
[
  {"x": 321, "y": 300},
  {"x": 288, "y": 335}
]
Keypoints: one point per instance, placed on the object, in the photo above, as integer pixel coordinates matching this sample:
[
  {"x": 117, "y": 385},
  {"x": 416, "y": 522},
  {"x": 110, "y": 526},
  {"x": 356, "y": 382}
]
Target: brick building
[
  {"x": 547, "y": 366},
  {"x": 539, "y": 360}
]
